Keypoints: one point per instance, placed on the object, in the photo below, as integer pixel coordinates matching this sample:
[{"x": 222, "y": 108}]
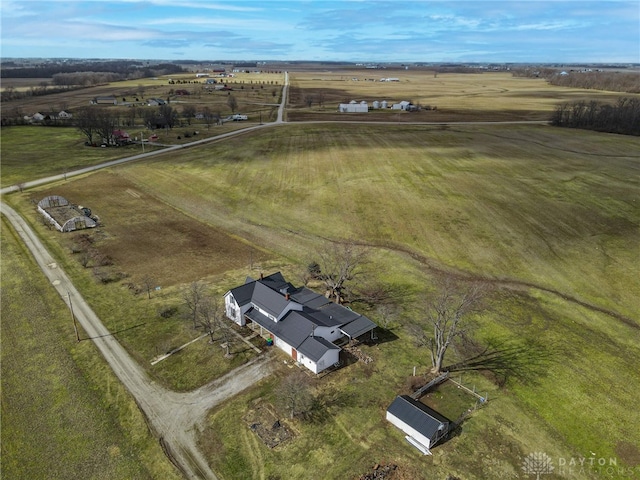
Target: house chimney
[
  {"x": 286, "y": 296},
  {"x": 261, "y": 276}
]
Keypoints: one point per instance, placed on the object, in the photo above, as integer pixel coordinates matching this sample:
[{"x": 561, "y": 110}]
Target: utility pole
[
  {"x": 73, "y": 317},
  {"x": 142, "y": 141}
]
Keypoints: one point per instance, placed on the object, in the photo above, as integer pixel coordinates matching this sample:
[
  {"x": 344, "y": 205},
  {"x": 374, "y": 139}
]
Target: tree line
[
  {"x": 623, "y": 117},
  {"x": 594, "y": 80},
  {"x": 127, "y": 68}
]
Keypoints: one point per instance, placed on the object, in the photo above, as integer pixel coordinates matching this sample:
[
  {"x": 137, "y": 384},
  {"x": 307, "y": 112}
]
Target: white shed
[{"x": 423, "y": 426}]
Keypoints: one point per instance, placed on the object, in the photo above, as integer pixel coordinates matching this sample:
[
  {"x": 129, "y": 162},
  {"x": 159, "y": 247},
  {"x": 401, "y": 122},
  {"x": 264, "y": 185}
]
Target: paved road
[{"x": 173, "y": 417}]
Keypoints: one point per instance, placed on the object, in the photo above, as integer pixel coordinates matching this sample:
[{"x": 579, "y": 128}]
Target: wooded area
[{"x": 623, "y": 117}]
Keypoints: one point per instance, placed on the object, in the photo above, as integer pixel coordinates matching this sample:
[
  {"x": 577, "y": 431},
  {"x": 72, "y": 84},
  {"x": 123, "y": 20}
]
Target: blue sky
[{"x": 361, "y": 31}]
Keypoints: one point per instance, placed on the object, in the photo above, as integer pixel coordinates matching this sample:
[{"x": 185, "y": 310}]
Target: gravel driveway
[{"x": 174, "y": 418}]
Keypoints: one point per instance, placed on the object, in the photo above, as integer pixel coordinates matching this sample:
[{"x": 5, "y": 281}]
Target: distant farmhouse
[
  {"x": 305, "y": 325},
  {"x": 423, "y": 426},
  {"x": 38, "y": 117},
  {"x": 64, "y": 216}
]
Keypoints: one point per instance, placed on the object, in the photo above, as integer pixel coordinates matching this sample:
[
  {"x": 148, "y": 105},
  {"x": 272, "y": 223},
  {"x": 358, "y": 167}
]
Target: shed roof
[
  {"x": 316, "y": 347},
  {"x": 418, "y": 416},
  {"x": 357, "y": 327}
]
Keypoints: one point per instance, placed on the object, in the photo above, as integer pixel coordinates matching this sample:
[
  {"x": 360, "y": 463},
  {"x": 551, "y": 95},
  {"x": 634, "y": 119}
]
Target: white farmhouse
[{"x": 300, "y": 322}]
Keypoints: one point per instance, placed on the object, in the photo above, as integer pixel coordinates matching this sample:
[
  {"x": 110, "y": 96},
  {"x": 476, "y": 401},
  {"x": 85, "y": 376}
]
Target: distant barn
[{"x": 63, "y": 215}]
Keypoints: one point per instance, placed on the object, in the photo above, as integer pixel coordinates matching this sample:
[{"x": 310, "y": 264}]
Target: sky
[{"x": 556, "y": 31}]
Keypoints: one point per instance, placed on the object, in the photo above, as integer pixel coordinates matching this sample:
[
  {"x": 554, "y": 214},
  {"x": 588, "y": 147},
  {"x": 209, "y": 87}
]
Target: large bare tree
[
  {"x": 446, "y": 312},
  {"x": 210, "y": 316},
  {"x": 193, "y": 298},
  {"x": 338, "y": 265},
  {"x": 295, "y": 395}
]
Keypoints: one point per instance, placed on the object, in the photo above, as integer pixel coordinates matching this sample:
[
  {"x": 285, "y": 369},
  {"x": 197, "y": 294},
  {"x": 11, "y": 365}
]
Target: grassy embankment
[{"x": 64, "y": 413}]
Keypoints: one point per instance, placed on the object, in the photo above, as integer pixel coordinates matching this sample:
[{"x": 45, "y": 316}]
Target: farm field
[
  {"x": 64, "y": 413},
  {"x": 456, "y": 96},
  {"x": 547, "y": 216}
]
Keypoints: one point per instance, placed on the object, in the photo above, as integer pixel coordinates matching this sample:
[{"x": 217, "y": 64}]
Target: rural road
[{"x": 174, "y": 418}]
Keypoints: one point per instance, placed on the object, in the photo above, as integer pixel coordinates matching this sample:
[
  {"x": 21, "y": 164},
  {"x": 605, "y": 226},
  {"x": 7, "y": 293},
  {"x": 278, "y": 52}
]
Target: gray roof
[
  {"x": 316, "y": 347},
  {"x": 310, "y": 310},
  {"x": 243, "y": 293},
  {"x": 294, "y": 328},
  {"x": 357, "y": 327},
  {"x": 269, "y": 300},
  {"x": 419, "y": 417},
  {"x": 309, "y": 298}
]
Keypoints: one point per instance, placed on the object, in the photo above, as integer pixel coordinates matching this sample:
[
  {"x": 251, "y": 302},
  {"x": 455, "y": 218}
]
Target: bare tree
[
  {"x": 149, "y": 284},
  {"x": 232, "y": 103},
  {"x": 339, "y": 265},
  {"x": 193, "y": 298},
  {"x": 387, "y": 315},
  {"x": 295, "y": 395},
  {"x": 227, "y": 339},
  {"x": 86, "y": 122},
  {"x": 308, "y": 100},
  {"x": 188, "y": 112},
  {"x": 210, "y": 316},
  {"x": 446, "y": 312}
]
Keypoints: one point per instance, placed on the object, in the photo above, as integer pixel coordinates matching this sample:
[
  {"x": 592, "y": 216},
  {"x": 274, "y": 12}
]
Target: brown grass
[{"x": 149, "y": 238}]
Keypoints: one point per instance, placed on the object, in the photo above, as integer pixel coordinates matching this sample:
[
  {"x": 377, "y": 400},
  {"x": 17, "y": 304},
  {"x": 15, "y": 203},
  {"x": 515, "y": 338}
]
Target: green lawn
[{"x": 64, "y": 413}]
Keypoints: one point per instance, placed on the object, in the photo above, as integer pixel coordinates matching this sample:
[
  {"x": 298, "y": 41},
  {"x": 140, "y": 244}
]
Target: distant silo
[
  {"x": 376, "y": 104},
  {"x": 383, "y": 104}
]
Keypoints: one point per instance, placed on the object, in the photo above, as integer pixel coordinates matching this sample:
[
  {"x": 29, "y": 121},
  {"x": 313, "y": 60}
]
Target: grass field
[
  {"x": 64, "y": 413},
  {"x": 548, "y": 217}
]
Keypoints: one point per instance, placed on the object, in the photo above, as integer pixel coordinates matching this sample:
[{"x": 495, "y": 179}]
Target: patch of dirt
[
  {"x": 380, "y": 472},
  {"x": 144, "y": 237},
  {"x": 628, "y": 453},
  {"x": 263, "y": 420}
]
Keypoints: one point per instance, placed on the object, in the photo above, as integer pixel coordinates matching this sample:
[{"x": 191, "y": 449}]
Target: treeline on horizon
[
  {"x": 622, "y": 118},
  {"x": 125, "y": 68},
  {"x": 616, "y": 81}
]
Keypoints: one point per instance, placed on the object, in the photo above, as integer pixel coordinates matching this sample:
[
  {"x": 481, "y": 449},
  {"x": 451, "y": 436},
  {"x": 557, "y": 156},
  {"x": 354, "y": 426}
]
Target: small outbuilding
[{"x": 423, "y": 426}]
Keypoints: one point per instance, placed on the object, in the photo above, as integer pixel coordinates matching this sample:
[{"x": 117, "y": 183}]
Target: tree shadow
[
  {"x": 525, "y": 361},
  {"x": 382, "y": 335}
]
